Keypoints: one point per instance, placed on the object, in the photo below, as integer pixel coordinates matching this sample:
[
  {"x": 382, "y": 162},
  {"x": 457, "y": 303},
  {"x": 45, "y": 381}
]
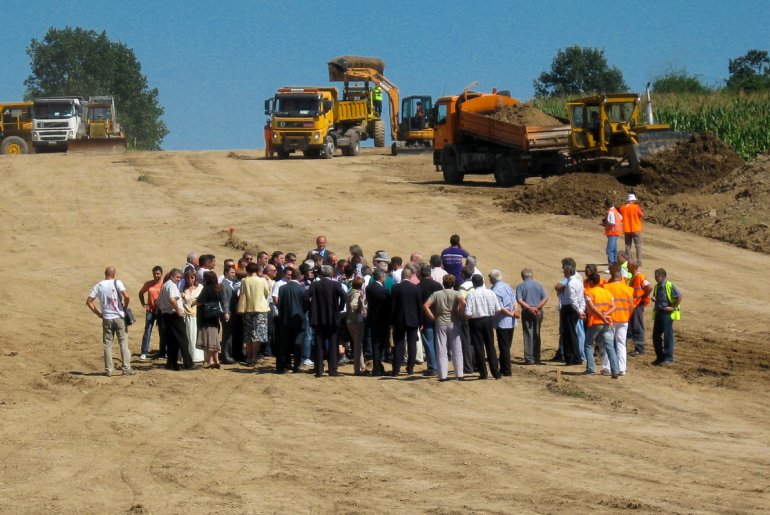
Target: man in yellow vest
[
  {"x": 666, "y": 298},
  {"x": 377, "y": 99},
  {"x": 613, "y": 228}
]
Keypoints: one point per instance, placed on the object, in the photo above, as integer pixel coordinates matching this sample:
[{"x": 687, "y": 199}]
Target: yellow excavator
[{"x": 408, "y": 127}]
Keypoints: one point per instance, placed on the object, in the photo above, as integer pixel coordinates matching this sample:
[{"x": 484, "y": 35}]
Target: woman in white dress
[{"x": 190, "y": 293}]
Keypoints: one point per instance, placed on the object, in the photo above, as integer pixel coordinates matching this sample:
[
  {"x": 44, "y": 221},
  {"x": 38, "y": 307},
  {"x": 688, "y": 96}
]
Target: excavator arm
[{"x": 341, "y": 70}]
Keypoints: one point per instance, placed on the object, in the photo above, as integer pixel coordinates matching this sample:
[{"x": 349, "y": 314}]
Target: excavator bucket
[{"x": 97, "y": 145}]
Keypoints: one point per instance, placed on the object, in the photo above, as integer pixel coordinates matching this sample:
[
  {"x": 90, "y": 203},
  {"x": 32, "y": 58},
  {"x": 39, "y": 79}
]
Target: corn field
[{"x": 741, "y": 120}]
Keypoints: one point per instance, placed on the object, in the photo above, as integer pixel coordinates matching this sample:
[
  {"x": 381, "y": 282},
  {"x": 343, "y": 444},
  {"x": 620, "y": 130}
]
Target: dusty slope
[{"x": 691, "y": 438}]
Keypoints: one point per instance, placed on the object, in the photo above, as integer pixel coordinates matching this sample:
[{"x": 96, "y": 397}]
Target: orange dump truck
[{"x": 469, "y": 139}]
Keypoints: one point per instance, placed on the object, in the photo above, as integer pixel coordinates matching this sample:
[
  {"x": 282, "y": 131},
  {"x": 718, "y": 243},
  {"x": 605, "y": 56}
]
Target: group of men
[{"x": 306, "y": 304}]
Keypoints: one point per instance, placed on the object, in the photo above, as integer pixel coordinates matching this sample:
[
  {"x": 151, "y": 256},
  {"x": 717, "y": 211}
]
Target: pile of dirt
[
  {"x": 580, "y": 194},
  {"x": 525, "y": 114},
  {"x": 689, "y": 165},
  {"x": 735, "y": 209}
]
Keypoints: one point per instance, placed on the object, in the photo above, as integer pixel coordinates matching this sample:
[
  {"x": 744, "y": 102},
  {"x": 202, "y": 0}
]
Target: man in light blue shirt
[{"x": 505, "y": 320}]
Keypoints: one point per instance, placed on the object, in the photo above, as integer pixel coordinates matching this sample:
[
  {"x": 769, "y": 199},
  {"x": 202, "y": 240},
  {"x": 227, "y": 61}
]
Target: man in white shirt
[
  {"x": 481, "y": 306},
  {"x": 113, "y": 299},
  {"x": 173, "y": 329}
]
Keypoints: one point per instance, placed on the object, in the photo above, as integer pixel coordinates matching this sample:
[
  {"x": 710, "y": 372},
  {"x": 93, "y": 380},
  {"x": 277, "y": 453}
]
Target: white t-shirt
[
  {"x": 108, "y": 298},
  {"x": 169, "y": 291}
]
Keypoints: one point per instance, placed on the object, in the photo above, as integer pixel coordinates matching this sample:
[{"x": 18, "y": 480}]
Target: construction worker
[
  {"x": 599, "y": 308},
  {"x": 377, "y": 99},
  {"x": 613, "y": 228},
  {"x": 666, "y": 298},
  {"x": 268, "y": 140},
  {"x": 642, "y": 289},
  {"x": 632, "y": 225},
  {"x": 623, "y": 296}
]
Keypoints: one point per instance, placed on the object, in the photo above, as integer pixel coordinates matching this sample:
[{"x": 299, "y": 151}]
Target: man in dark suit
[
  {"x": 407, "y": 314},
  {"x": 327, "y": 300},
  {"x": 292, "y": 304},
  {"x": 229, "y": 305},
  {"x": 378, "y": 318}
]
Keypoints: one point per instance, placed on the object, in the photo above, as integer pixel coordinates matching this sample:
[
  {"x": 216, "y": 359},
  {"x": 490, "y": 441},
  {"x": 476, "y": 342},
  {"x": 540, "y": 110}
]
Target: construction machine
[
  {"x": 313, "y": 120},
  {"x": 102, "y": 132},
  {"x": 15, "y": 128},
  {"x": 467, "y": 139},
  {"x": 608, "y": 134},
  {"x": 410, "y": 127}
]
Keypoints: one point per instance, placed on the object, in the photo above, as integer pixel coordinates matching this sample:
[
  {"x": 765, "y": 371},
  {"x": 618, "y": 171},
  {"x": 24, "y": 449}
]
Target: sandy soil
[{"x": 691, "y": 438}]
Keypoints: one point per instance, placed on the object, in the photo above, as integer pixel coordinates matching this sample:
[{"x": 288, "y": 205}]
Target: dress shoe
[
  {"x": 636, "y": 353},
  {"x": 335, "y": 374},
  {"x": 191, "y": 367},
  {"x": 429, "y": 373}
]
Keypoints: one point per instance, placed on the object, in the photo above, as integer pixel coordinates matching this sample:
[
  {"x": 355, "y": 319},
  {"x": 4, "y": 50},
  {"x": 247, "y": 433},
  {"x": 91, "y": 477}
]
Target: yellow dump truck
[
  {"x": 314, "y": 121},
  {"x": 15, "y": 128}
]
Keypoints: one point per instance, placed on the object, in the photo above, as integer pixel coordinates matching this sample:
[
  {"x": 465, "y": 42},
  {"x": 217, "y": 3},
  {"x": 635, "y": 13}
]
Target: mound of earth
[
  {"x": 580, "y": 194},
  {"x": 525, "y": 114},
  {"x": 735, "y": 209},
  {"x": 689, "y": 165}
]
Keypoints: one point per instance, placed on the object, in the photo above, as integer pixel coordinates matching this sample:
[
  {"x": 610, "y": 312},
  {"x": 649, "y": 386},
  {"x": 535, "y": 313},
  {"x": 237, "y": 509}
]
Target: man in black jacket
[
  {"x": 407, "y": 315},
  {"x": 292, "y": 304},
  {"x": 327, "y": 301},
  {"x": 378, "y": 318}
]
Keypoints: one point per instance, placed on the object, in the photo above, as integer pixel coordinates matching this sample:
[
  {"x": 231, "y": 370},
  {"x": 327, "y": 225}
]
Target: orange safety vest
[
  {"x": 632, "y": 217},
  {"x": 637, "y": 283},
  {"x": 615, "y": 229},
  {"x": 623, "y": 295},
  {"x": 602, "y": 300}
]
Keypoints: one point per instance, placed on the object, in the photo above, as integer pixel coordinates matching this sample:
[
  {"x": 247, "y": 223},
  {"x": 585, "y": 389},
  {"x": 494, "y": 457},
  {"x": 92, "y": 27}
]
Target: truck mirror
[
  {"x": 327, "y": 105},
  {"x": 268, "y": 106}
]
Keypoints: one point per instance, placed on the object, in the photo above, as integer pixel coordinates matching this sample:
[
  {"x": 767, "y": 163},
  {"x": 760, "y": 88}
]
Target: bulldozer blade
[
  {"x": 97, "y": 145},
  {"x": 655, "y": 141}
]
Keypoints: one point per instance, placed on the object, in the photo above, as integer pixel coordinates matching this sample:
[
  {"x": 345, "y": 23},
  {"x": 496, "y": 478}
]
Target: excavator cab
[{"x": 415, "y": 128}]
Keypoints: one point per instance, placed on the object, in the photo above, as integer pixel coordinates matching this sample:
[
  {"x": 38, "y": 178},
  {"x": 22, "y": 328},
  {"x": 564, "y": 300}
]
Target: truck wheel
[
  {"x": 329, "y": 147},
  {"x": 355, "y": 145},
  {"x": 452, "y": 173},
  {"x": 379, "y": 134},
  {"x": 14, "y": 145},
  {"x": 394, "y": 149},
  {"x": 507, "y": 174}
]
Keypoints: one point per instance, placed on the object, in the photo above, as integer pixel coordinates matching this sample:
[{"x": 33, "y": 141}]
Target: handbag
[
  {"x": 128, "y": 315},
  {"x": 212, "y": 309}
]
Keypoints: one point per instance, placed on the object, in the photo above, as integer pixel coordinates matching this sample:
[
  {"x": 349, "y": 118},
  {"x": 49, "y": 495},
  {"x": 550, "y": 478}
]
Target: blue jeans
[
  {"x": 663, "y": 337},
  {"x": 580, "y": 329},
  {"x": 307, "y": 344},
  {"x": 612, "y": 249},
  {"x": 602, "y": 334},
  {"x": 149, "y": 322},
  {"x": 428, "y": 334}
]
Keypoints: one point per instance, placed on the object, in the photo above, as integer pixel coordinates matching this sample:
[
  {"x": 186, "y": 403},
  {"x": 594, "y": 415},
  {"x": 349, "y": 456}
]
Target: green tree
[
  {"x": 79, "y": 62},
  {"x": 579, "y": 70},
  {"x": 678, "y": 81},
  {"x": 750, "y": 72}
]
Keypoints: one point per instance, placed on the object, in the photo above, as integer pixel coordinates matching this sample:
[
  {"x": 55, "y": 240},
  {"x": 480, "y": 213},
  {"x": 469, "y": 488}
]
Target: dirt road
[{"x": 691, "y": 438}]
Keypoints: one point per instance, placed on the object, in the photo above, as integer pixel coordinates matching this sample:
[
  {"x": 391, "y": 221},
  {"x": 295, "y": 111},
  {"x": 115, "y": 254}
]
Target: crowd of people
[{"x": 324, "y": 310}]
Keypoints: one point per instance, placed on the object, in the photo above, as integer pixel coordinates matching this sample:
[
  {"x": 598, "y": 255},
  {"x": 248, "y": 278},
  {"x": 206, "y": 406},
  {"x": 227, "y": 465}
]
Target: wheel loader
[{"x": 102, "y": 132}]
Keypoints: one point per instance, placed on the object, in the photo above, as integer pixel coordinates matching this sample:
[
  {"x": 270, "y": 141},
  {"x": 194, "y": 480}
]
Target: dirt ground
[{"x": 692, "y": 438}]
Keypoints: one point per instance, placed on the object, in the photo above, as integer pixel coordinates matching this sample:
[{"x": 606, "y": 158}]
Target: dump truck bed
[{"x": 475, "y": 121}]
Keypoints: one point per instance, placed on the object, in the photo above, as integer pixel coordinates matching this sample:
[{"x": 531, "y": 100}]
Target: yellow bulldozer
[
  {"x": 101, "y": 130},
  {"x": 609, "y": 133}
]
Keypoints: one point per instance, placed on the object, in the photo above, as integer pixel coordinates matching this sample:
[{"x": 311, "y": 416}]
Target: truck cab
[
  {"x": 300, "y": 119},
  {"x": 57, "y": 120}
]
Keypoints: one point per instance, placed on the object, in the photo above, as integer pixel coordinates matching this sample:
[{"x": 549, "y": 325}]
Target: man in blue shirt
[
  {"x": 452, "y": 258},
  {"x": 531, "y": 297},
  {"x": 505, "y": 320}
]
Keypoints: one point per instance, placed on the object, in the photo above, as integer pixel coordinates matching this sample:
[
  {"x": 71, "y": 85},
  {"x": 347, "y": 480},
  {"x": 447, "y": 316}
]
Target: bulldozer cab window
[
  {"x": 100, "y": 113},
  {"x": 12, "y": 115},
  {"x": 620, "y": 112}
]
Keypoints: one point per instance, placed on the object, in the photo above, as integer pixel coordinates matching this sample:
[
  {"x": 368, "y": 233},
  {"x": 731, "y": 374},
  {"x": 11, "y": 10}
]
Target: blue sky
[{"x": 214, "y": 63}]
